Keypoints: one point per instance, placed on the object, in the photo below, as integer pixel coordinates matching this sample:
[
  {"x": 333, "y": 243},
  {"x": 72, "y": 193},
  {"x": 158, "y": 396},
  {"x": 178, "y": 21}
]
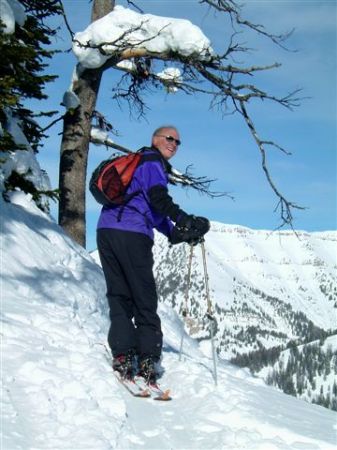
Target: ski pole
[
  {"x": 209, "y": 312},
  {"x": 188, "y": 284}
]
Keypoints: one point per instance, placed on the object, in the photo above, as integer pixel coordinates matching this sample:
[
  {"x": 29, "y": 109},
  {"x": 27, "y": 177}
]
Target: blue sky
[{"x": 221, "y": 147}]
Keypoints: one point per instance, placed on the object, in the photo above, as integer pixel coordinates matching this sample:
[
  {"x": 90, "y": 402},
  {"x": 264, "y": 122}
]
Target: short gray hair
[{"x": 164, "y": 127}]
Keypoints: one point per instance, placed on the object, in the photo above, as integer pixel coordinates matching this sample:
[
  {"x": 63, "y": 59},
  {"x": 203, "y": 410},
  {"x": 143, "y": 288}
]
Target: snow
[
  {"x": 156, "y": 34},
  {"x": 99, "y": 136},
  {"x": 172, "y": 76},
  {"x": 127, "y": 65},
  {"x": 12, "y": 11},
  {"x": 279, "y": 263},
  {"x": 70, "y": 100},
  {"x": 23, "y": 160},
  {"x": 58, "y": 390}
]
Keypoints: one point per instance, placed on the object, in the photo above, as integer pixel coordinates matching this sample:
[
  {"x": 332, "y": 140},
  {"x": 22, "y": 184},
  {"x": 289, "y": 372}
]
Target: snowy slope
[{"x": 58, "y": 391}]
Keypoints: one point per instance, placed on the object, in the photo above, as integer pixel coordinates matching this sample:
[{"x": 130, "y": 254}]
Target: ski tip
[{"x": 165, "y": 396}]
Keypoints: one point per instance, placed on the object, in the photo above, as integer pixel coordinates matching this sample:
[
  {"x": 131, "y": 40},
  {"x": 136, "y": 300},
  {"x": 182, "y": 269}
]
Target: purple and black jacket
[{"x": 151, "y": 206}]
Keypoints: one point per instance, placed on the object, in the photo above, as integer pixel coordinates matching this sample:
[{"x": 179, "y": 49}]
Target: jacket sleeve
[
  {"x": 157, "y": 193},
  {"x": 162, "y": 202}
]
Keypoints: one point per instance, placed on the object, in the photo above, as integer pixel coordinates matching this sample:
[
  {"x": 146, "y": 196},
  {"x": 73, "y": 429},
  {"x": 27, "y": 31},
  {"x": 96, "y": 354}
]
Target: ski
[
  {"x": 138, "y": 387},
  {"x": 160, "y": 394},
  {"x": 155, "y": 390},
  {"x": 132, "y": 387}
]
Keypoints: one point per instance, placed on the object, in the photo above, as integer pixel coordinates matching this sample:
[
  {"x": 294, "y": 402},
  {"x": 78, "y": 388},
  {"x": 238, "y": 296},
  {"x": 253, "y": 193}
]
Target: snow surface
[
  {"x": 154, "y": 33},
  {"x": 58, "y": 390}
]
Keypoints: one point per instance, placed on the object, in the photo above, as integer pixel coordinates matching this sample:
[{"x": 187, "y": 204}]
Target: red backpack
[{"x": 110, "y": 180}]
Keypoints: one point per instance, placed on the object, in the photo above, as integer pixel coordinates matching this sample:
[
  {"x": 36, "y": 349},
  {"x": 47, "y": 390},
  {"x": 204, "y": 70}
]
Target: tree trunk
[{"x": 75, "y": 145}]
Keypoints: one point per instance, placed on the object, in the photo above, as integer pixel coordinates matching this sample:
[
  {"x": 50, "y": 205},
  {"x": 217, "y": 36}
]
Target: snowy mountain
[
  {"x": 58, "y": 390},
  {"x": 280, "y": 284},
  {"x": 268, "y": 290}
]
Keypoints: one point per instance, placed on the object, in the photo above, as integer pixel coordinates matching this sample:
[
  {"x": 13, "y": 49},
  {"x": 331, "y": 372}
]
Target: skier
[{"x": 124, "y": 241}]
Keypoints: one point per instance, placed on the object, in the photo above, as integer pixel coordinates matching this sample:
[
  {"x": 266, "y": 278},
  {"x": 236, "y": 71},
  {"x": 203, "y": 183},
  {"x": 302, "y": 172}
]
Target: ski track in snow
[{"x": 58, "y": 390}]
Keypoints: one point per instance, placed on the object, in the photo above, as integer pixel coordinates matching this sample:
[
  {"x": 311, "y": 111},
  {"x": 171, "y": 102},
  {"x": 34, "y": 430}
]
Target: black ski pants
[{"x": 127, "y": 263}]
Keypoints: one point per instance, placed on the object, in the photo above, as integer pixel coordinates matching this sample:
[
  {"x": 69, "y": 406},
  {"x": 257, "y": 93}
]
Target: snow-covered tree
[
  {"x": 155, "y": 52},
  {"x": 24, "y": 41}
]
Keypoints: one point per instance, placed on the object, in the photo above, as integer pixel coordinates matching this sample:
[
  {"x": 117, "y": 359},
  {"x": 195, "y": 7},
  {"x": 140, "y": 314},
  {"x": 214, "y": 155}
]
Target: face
[{"x": 166, "y": 142}]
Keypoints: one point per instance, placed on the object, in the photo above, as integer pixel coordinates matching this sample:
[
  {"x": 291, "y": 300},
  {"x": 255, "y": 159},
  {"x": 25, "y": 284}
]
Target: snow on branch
[{"x": 124, "y": 28}]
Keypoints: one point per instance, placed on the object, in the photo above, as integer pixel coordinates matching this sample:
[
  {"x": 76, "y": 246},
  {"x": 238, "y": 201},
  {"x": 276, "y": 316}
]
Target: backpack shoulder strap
[{"x": 152, "y": 154}]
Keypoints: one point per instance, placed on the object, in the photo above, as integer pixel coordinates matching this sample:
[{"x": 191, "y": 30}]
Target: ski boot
[
  {"x": 123, "y": 364},
  {"x": 147, "y": 370}
]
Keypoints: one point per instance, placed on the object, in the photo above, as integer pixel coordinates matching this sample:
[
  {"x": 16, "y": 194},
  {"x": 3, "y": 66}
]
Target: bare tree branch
[
  {"x": 201, "y": 184},
  {"x": 72, "y": 34},
  {"x": 284, "y": 206},
  {"x": 221, "y": 78},
  {"x": 233, "y": 9},
  {"x": 135, "y": 6},
  {"x": 52, "y": 123},
  {"x": 246, "y": 70}
]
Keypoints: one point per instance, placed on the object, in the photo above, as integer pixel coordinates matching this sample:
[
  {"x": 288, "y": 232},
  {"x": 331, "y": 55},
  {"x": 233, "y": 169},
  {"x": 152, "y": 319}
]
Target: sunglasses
[{"x": 170, "y": 139}]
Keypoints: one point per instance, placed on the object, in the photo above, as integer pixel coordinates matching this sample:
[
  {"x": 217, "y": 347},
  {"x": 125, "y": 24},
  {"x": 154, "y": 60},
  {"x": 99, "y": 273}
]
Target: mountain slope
[
  {"x": 277, "y": 286},
  {"x": 58, "y": 388}
]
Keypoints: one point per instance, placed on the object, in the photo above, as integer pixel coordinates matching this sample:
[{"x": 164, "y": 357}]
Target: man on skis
[{"x": 125, "y": 239}]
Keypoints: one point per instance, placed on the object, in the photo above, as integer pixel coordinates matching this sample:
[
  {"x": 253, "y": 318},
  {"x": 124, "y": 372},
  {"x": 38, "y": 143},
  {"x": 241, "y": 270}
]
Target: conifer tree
[{"x": 24, "y": 54}]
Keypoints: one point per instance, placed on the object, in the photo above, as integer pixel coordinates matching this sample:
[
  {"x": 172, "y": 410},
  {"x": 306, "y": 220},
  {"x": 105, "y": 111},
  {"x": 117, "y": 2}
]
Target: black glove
[
  {"x": 178, "y": 235},
  {"x": 191, "y": 230},
  {"x": 190, "y": 222},
  {"x": 201, "y": 224}
]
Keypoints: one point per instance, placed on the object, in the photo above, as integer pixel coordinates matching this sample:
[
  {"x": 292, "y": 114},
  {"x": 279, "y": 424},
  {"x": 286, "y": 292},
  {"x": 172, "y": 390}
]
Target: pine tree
[{"x": 22, "y": 64}]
